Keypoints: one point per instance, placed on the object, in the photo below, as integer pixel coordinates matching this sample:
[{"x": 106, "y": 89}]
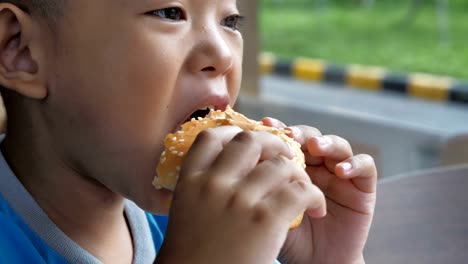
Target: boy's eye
[
  {"x": 171, "y": 13},
  {"x": 233, "y": 22}
]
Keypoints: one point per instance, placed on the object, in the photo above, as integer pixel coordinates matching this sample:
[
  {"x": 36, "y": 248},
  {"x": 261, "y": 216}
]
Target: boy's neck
[{"x": 84, "y": 209}]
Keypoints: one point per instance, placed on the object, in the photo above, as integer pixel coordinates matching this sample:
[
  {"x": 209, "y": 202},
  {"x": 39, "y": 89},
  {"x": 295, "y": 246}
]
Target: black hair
[{"x": 51, "y": 10}]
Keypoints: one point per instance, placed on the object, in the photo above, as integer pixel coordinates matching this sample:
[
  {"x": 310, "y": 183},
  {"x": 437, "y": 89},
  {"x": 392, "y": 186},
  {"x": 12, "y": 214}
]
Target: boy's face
[{"x": 127, "y": 72}]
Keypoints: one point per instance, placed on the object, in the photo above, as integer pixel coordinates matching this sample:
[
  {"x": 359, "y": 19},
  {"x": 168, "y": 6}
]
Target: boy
[{"x": 91, "y": 88}]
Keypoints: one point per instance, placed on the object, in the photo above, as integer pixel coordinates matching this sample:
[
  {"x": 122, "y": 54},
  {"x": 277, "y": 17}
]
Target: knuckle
[
  {"x": 311, "y": 130},
  {"x": 362, "y": 159},
  {"x": 261, "y": 214},
  {"x": 296, "y": 191},
  {"x": 278, "y": 161},
  {"x": 367, "y": 158},
  {"x": 317, "y": 196},
  {"x": 246, "y": 137},
  {"x": 273, "y": 141},
  {"x": 367, "y": 162},
  {"x": 315, "y": 131},
  {"x": 300, "y": 186},
  {"x": 239, "y": 201},
  {"x": 299, "y": 171},
  {"x": 337, "y": 140},
  {"x": 341, "y": 140},
  {"x": 186, "y": 179},
  {"x": 206, "y": 135},
  {"x": 302, "y": 191},
  {"x": 212, "y": 187}
]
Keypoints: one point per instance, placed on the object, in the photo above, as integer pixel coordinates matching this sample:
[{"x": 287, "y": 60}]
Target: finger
[
  {"x": 342, "y": 192},
  {"x": 312, "y": 160},
  {"x": 303, "y": 133},
  {"x": 245, "y": 150},
  {"x": 295, "y": 197},
  {"x": 320, "y": 177},
  {"x": 299, "y": 133},
  {"x": 362, "y": 170},
  {"x": 207, "y": 147},
  {"x": 330, "y": 147},
  {"x": 268, "y": 176},
  {"x": 272, "y": 122}
]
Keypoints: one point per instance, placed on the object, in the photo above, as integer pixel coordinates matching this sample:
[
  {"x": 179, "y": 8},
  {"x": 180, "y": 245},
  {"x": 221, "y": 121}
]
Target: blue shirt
[{"x": 20, "y": 244}]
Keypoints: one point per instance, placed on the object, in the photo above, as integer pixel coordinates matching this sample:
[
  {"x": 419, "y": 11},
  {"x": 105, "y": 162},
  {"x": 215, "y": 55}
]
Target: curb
[{"x": 425, "y": 86}]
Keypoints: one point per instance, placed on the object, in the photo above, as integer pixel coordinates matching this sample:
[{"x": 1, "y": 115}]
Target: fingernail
[{"x": 347, "y": 167}]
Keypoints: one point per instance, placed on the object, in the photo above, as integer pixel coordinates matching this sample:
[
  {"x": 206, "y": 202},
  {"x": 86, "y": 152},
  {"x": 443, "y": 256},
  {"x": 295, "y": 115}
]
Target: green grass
[{"x": 343, "y": 33}]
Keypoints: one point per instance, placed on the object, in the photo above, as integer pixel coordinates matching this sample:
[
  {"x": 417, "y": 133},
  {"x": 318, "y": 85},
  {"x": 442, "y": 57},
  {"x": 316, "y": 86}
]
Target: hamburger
[{"x": 178, "y": 144}]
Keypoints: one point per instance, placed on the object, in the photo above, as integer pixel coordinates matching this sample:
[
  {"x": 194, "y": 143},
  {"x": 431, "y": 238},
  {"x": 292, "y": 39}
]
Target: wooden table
[{"x": 421, "y": 218}]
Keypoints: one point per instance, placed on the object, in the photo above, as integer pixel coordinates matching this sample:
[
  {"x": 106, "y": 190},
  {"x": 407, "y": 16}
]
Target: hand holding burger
[{"x": 178, "y": 144}]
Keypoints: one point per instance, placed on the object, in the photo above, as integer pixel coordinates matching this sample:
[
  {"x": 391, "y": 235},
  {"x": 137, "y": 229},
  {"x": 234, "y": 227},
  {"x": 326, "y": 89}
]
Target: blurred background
[
  {"x": 390, "y": 77},
  {"x": 404, "y": 133},
  {"x": 402, "y": 35}
]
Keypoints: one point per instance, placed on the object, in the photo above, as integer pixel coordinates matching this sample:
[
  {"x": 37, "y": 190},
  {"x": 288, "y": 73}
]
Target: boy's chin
[{"x": 157, "y": 202}]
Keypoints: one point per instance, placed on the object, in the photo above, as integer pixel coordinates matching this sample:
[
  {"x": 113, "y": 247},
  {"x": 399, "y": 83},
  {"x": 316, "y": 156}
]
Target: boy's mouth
[
  {"x": 197, "y": 114},
  {"x": 200, "y": 113}
]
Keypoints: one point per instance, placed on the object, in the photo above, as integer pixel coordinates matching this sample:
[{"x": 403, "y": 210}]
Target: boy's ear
[{"x": 19, "y": 71}]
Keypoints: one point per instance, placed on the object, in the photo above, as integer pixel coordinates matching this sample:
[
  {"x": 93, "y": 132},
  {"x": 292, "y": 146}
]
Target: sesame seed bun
[{"x": 178, "y": 144}]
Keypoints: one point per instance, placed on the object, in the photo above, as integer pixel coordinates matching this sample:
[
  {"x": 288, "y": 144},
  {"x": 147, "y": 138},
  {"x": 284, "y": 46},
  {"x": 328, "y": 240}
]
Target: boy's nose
[{"x": 211, "y": 55}]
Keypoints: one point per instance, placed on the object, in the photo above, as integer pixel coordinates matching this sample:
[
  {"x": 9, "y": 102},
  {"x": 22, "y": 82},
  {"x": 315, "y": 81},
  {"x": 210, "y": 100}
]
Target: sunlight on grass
[{"x": 344, "y": 34}]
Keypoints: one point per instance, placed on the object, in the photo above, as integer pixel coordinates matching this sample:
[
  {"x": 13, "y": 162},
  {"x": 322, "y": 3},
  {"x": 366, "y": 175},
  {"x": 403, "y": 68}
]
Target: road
[{"x": 387, "y": 106}]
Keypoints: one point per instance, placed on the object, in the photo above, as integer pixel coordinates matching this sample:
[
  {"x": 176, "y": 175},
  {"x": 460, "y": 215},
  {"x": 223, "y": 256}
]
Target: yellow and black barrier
[{"x": 436, "y": 88}]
